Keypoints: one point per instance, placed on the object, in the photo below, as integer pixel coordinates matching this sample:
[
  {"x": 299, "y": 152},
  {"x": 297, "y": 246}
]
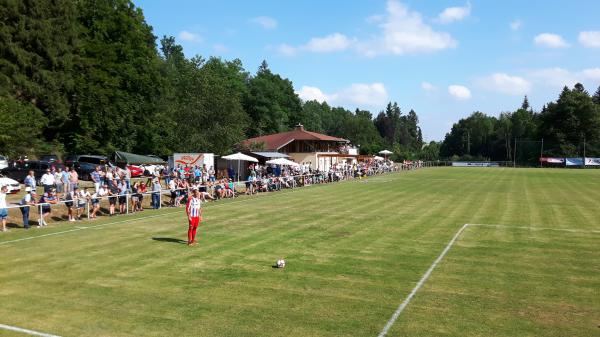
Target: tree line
[
  {"x": 568, "y": 127},
  {"x": 88, "y": 76}
]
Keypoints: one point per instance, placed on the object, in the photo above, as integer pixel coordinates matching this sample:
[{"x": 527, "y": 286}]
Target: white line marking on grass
[
  {"x": 420, "y": 283},
  {"x": 538, "y": 228},
  {"x": 82, "y": 228},
  {"x": 77, "y": 228},
  {"x": 406, "y": 301},
  {"x": 26, "y": 331}
]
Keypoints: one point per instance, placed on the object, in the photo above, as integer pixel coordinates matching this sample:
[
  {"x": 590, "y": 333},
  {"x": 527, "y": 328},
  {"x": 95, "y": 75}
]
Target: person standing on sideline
[
  {"x": 58, "y": 180},
  {"x": 194, "y": 214},
  {"x": 27, "y": 201},
  {"x": 156, "y": 190},
  {"x": 96, "y": 178},
  {"x": 127, "y": 177},
  {"x": 30, "y": 180},
  {"x": 65, "y": 180},
  {"x": 3, "y": 209},
  {"x": 73, "y": 179},
  {"x": 47, "y": 180}
]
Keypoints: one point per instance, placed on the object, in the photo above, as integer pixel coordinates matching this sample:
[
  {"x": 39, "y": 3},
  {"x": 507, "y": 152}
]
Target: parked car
[
  {"x": 86, "y": 164},
  {"x": 13, "y": 185},
  {"x": 3, "y": 162},
  {"x": 51, "y": 158},
  {"x": 19, "y": 170},
  {"x": 136, "y": 171}
]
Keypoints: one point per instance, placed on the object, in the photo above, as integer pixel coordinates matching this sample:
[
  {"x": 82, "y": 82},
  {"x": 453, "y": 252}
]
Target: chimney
[{"x": 300, "y": 127}]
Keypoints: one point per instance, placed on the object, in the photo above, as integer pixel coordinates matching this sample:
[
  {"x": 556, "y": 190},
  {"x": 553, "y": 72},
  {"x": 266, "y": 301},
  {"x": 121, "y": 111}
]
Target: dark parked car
[
  {"x": 86, "y": 164},
  {"x": 19, "y": 170},
  {"x": 51, "y": 158}
]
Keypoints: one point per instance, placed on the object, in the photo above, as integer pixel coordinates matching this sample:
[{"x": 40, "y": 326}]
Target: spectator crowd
[{"x": 115, "y": 186}]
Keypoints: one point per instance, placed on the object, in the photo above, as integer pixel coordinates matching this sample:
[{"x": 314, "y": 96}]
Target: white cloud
[
  {"x": 308, "y": 93},
  {"x": 373, "y": 95},
  {"x": 550, "y": 41},
  {"x": 355, "y": 95},
  {"x": 516, "y": 25},
  {"x": 401, "y": 32},
  {"x": 591, "y": 74},
  {"x": 459, "y": 92},
  {"x": 404, "y": 32},
  {"x": 330, "y": 43},
  {"x": 452, "y": 14},
  {"x": 506, "y": 84},
  {"x": 428, "y": 86},
  {"x": 287, "y": 50},
  {"x": 590, "y": 39},
  {"x": 189, "y": 36},
  {"x": 558, "y": 77},
  {"x": 220, "y": 48},
  {"x": 265, "y": 22}
]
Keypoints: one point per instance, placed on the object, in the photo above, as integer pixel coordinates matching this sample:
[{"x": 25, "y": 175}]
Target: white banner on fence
[
  {"x": 474, "y": 164},
  {"x": 592, "y": 161}
]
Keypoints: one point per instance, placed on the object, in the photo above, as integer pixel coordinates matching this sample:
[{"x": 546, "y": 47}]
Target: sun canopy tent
[
  {"x": 378, "y": 158},
  {"x": 240, "y": 157},
  {"x": 136, "y": 159},
  {"x": 283, "y": 161}
]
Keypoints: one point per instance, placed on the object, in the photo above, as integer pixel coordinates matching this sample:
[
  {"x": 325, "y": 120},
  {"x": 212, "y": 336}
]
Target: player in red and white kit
[{"x": 194, "y": 213}]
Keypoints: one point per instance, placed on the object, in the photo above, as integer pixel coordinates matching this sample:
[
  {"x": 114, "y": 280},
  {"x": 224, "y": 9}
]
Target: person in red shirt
[{"x": 193, "y": 209}]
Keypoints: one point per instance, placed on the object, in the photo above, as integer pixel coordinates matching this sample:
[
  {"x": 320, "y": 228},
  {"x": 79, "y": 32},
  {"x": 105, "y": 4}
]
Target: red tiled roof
[{"x": 279, "y": 140}]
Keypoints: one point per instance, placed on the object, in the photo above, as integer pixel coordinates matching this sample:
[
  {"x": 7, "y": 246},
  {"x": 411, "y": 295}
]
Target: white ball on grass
[{"x": 281, "y": 263}]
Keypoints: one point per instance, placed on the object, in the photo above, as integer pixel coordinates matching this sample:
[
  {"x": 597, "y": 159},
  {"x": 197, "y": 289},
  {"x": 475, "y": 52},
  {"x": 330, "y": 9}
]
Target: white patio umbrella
[
  {"x": 385, "y": 153},
  {"x": 283, "y": 161},
  {"x": 378, "y": 158},
  {"x": 239, "y": 157}
]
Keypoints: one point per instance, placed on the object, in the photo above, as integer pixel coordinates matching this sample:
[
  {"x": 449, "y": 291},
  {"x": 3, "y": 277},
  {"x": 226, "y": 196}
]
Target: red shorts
[{"x": 194, "y": 221}]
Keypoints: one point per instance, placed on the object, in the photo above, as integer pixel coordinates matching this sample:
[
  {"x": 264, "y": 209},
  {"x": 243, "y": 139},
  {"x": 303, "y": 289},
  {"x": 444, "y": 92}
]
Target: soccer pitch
[{"x": 527, "y": 265}]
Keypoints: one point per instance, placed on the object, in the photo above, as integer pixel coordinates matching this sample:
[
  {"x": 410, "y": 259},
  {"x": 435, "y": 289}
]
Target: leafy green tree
[
  {"x": 119, "y": 80},
  {"x": 21, "y": 124},
  {"x": 310, "y": 116},
  {"x": 38, "y": 54},
  {"x": 271, "y": 102},
  {"x": 360, "y": 130}
]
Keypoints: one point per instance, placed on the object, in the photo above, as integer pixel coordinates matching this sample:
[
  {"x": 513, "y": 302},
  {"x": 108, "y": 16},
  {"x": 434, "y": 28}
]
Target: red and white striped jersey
[{"x": 193, "y": 207}]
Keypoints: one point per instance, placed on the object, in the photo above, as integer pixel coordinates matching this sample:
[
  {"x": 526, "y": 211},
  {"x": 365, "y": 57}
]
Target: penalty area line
[
  {"x": 407, "y": 300},
  {"x": 26, "y": 331},
  {"x": 414, "y": 291}
]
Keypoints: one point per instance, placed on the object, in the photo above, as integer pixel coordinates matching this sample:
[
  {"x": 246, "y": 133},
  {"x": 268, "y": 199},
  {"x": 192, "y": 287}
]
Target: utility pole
[
  {"x": 515, "y": 154},
  {"x": 469, "y": 142},
  {"x": 542, "y": 153}
]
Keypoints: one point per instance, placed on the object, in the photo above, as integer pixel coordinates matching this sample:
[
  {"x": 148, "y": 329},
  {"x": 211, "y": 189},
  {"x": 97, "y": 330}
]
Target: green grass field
[{"x": 354, "y": 251}]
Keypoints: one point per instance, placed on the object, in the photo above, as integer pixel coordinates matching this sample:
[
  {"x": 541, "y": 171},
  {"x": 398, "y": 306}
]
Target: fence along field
[{"x": 354, "y": 251}]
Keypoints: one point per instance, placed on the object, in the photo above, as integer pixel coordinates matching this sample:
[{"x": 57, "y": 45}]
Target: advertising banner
[
  {"x": 475, "y": 164},
  {"x": 592, "y": 161},
  {"x": 552, "y": 160},
  {"x": 574, "y": 161}
]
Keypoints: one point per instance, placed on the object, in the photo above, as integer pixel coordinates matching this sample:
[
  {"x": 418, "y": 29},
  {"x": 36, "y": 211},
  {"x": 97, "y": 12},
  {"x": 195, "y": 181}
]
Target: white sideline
[
  {"x": 26, "y": 331},
  {"x": 420, "y": 283},
  {"x": 537, "y": 228},
  {"x": 406, "y": 301}
]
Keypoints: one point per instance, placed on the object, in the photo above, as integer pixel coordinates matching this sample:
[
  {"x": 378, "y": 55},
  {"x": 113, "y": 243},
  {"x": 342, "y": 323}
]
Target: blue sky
[{"x": 444, "y": 59}]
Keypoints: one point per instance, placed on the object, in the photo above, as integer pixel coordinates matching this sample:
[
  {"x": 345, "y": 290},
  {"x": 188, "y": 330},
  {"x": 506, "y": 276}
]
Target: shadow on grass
[{"x": 172, "y": 240}]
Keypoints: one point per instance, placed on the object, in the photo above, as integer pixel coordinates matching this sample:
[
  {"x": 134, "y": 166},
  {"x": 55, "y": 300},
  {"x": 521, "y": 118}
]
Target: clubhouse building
[{"x": 315, "y": 149}]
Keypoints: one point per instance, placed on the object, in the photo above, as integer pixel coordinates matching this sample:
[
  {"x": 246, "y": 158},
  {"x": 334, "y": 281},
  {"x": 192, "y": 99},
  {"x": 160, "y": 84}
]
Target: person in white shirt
[
  {"x": 3, "y": 209},
  {"x": 47, "y": 180},
  {"x": 26, "y": 202}
]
